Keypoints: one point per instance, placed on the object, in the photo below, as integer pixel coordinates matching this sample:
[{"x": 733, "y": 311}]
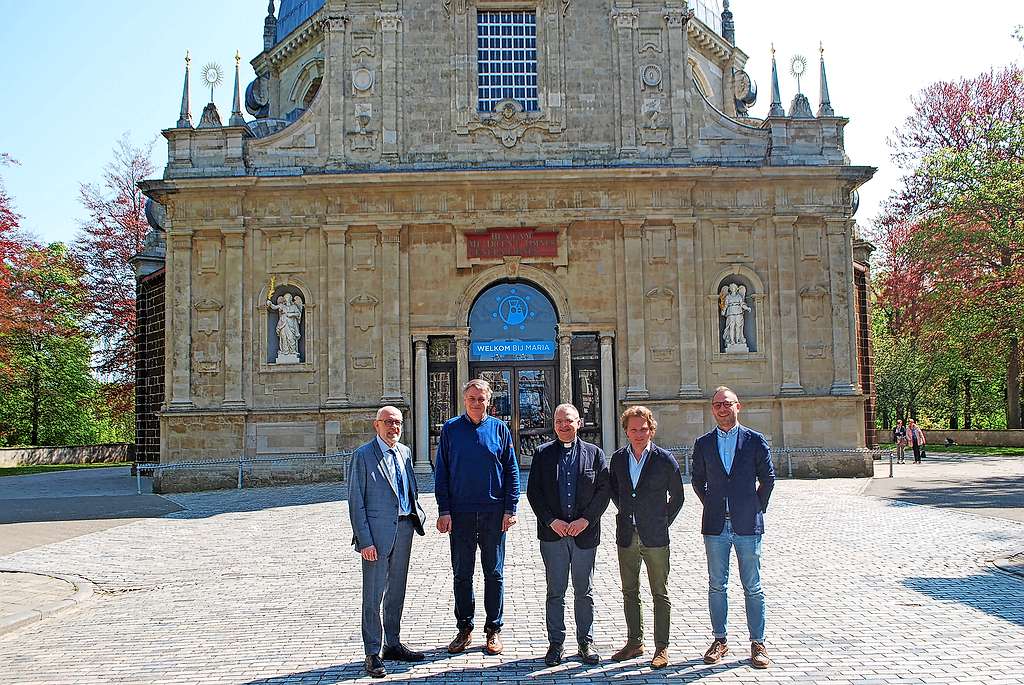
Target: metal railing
[
  {"x": 686, "y": 453},
  {"x": 342, "y": 459}
]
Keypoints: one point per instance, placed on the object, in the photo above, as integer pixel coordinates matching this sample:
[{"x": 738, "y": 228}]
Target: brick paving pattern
[{"x": 261, "y": 586}]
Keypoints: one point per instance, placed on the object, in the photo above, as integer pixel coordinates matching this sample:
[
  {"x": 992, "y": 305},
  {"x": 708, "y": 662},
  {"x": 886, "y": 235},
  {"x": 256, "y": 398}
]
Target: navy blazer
[
  {"x": 752, "y": 463},
  {"x": 591, "y": 491},
  {"x": 656, "y": 500}
]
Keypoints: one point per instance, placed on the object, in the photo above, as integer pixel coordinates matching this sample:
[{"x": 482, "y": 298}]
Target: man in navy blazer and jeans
[{"x": 727, "y": 464}]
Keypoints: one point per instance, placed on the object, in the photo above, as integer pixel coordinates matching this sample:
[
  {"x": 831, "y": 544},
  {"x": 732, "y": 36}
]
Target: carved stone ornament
[
  {"x": 362, "y": 80},
  {"x": 207, "y": 316},
  {"x": 509, "y": 123},
  {"x": 812, "y": 302},
  {"x": 650, "y": 75},
  {"x": 363, "y": 307},
  {"x": 389, "y": 21},
  {"x": 626, "y": 17},
  {"x": 676, "y": 18},
  {"x": 289, "y": 310},
  {"x": 661, "y": 304},
  {"x": 512, "y": 266}
]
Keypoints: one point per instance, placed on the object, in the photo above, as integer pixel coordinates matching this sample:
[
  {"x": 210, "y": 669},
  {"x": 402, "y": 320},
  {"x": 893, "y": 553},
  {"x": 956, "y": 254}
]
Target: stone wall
[
  {"x": 114, "y": 453},
  {"x": 987, "y": 438}
]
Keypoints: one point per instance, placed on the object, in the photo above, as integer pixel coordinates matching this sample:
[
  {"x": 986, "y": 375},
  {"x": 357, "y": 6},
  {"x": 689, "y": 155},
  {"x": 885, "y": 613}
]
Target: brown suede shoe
[
  {"x": 494, "y": 645},
  {"x": 660, "y": 659},
  {"x": 630, "y": 651},
  {"x": 461, "y": 641},
  {"x": 716, "y": 651},
  {"x": 759, "y": 655}
]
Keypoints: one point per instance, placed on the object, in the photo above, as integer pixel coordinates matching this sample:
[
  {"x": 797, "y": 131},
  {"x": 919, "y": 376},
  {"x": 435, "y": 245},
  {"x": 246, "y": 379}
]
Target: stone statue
[
  {"x": 732, "y": 306},
  {"x": 289, "y": 316}
]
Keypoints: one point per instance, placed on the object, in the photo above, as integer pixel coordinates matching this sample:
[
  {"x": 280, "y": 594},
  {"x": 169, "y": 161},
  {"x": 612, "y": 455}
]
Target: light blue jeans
[{"x": 748, "y": 556}]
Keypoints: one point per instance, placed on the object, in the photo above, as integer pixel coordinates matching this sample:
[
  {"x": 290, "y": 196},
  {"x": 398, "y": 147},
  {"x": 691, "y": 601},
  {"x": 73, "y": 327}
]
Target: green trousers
[{"x": 656, "y": 559}]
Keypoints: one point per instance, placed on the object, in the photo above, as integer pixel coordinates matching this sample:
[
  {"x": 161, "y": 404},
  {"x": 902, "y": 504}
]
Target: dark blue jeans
[{"x": 469, "y": 531}]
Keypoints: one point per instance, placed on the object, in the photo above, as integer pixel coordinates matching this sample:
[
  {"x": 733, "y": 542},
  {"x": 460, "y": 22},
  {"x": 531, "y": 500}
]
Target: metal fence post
[
  {"x": 240, "y": 473},
  {"x": 789, "y": 461}
]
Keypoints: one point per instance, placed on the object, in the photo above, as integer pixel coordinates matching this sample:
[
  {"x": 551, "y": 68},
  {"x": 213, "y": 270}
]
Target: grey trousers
[
  {"x": 384, "y": 583},
  {"x": 563, "y": 558}
]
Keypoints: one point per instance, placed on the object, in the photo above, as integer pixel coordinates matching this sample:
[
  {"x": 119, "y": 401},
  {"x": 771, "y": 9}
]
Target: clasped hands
[{"x": 569, "y": 529}]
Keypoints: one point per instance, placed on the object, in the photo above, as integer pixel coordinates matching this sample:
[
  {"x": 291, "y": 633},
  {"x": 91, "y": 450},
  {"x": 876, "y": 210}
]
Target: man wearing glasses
[
  {"x": 733, "y": 477},
  {"x": 384, "y": 509}
]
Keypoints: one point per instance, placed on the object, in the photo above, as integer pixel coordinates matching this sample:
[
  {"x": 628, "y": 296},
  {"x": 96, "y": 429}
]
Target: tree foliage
[{"x": 952, "y": 281}]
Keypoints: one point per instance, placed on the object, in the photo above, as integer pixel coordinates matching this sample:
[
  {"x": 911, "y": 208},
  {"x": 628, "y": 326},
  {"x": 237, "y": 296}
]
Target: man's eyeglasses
[
  {"x": 396, "y": 423},
  {"x": 722, "y": 405}
]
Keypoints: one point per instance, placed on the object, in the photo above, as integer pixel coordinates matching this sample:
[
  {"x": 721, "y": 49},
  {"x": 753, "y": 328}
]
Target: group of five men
[{"x": 570, "y": 485}]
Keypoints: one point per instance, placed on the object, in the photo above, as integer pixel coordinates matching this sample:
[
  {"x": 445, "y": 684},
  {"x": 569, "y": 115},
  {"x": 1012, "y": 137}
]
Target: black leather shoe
[
  {"x": 375, "y": 667},
  {"x": 554, "y": 655},
  {"x": 589, "y": 655},
  {"x": 400, "y": 652}
]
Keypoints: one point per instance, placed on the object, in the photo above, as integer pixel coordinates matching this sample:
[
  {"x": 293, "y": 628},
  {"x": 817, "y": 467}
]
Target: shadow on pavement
[
  {"x": 994, "y": 593},
  {"x": 53, "y": 509},
  {"x": 533, "y": 669},
  {"x": 996, "y": 492}
]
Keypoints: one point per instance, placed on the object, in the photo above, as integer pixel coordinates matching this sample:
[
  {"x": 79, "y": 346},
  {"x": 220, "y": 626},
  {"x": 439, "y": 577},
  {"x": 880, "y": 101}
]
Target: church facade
[{"x": 566, "y": 198}]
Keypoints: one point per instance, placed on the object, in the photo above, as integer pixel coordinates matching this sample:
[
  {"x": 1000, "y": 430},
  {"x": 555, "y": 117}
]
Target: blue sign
[{"x": 512, "y": 348}]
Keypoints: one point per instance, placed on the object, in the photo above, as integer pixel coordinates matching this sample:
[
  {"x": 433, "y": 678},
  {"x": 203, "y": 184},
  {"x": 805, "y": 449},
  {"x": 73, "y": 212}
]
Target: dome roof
[{"x": 291, "y": 13}]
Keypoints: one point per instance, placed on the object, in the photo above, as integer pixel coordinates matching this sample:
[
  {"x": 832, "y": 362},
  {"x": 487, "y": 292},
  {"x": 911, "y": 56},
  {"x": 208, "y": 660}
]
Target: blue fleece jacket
[{"x": 475, "y": 469}]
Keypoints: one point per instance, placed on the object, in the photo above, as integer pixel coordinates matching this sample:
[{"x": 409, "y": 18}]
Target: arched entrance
[{"x": 513, "y": 347}]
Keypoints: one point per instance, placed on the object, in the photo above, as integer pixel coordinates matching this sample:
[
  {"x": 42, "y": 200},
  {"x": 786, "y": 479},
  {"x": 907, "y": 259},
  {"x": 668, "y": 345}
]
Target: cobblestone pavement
[{"x": 261, "y": 586}]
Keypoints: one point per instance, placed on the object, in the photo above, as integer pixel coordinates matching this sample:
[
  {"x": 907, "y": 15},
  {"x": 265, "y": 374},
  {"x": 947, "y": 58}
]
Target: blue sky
[{"x": 80, "y": 74}]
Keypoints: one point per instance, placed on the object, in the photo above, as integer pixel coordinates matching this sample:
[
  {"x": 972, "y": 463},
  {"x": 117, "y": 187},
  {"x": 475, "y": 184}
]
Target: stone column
[
  {"x": 790, "y": 323},
  {"x": 564, "y": 368},
  {"x": 335, "y": 82},
  {"x": 840, "y": 262},
  {"x": 179, "y": 332},
  {"x": 686, "y": 274},
  {"x": 679, "y": 74},
  {"x": 626, "y": 20},
  {"x": 422, "y": 456},
  {"x": 234, "y": 285},
  {"x": 336, "y": 312},
  {"x": 608, "y": 414},
  {"x": 391, "y": 351},
  {"x": 636, "y": 334},
  {"x": 461, "y": 365},
  {"x": 390, "y": 26}
]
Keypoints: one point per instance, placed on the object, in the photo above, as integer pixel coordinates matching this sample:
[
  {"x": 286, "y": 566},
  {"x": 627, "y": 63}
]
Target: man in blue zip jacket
[
  {"x": 727, "y": 464},
  {"x": 476, "y": 482}
]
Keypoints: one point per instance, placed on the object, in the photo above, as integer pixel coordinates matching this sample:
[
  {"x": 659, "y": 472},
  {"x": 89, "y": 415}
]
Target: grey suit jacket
[{"x": 373, "y": 501}]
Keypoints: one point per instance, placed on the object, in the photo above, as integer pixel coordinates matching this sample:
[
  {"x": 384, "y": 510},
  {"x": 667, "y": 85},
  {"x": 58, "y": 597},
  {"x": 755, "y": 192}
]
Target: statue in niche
[
  {"x": 289, "y": 315},
  {"x": 732, "y": 305}
]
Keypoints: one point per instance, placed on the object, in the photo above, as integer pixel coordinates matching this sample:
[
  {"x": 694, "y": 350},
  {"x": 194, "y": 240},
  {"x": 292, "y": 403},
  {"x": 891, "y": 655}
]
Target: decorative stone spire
[
  {"x": 236, "y": 108},
  {"x": 185, "y": 117},
  {"x": 728, "y": 25},
  {"x": 269, "y": 27},
  {"x": 825, "y": 108},
  {"x": 776, "y": 107}
]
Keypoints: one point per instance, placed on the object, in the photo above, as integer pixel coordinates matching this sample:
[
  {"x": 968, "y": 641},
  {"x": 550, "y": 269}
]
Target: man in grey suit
[{"x": 384, "y": 509}]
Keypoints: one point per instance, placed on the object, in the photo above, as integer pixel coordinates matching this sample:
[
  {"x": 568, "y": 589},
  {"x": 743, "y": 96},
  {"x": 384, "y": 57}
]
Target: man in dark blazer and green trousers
[{"x": 647, "y": 488}]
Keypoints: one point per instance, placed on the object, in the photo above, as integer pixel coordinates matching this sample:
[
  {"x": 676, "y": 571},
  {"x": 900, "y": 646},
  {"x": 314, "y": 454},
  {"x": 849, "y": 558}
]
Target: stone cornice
[{"x": 310, "y": 30}]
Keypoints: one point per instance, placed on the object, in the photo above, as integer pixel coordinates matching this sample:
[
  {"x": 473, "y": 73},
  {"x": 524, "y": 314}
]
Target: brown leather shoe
[
  {"x": 630, "y": 651},
  {"x": 461, "y": 641},
  {"x": 660, "y": 659},
  {"x": 494, "y": 645},
  {"x": 716, "y": 651},
  {"x": 759, "y": 655}
]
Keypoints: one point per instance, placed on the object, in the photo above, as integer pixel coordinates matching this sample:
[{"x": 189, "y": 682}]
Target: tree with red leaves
[
  {"x": 12, "y": 247},
  {"x": 953, "y": 234},
  {"x": 112, "y": 234}
]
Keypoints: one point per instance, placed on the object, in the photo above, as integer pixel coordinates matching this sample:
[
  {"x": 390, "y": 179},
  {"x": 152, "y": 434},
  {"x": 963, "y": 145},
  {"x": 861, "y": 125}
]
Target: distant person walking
[
  {"x": 916, "y": 438},
  {"x": 899, "y": 438}
]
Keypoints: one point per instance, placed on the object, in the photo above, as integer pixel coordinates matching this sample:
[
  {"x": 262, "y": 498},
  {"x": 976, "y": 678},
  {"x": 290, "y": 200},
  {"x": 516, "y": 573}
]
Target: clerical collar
[{"x": 568, "y": 445}]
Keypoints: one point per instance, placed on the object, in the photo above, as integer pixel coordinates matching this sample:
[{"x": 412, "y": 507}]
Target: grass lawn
[
  {"x": 964, "y": 449},
  {"x": 48, "y": 468}
]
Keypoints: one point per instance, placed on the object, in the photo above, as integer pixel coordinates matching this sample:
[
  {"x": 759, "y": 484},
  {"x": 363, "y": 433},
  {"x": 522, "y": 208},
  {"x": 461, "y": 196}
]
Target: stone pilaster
[
  {"x": 234, "y": 286},
  {"x": 676, "y": 19},
  {"x": 785, "y": 246},
  {"x": 608, "y": 413},
  {"x": 422, "y": 454},
  {"x": 686, "y": 285},
  {"x": 390, "y": 27},
  {"x": 636, "y": 334},
  {"x": 391, "y": 351},
  {"x": 840, "y": 261},
  {"x": 564, "y": 368},
  {"x": 335, "y": 60},
  {"x": 461, "y": 365},
  {"x": 336, "y": 308},
  {"x": 626, "y": 21},
  {"x": 180, "y": 328}
]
